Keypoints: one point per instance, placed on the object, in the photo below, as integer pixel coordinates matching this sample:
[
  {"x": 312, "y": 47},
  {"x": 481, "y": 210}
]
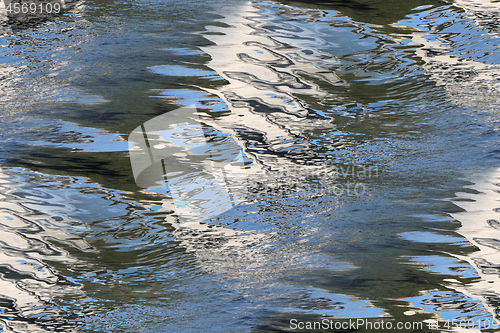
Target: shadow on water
[{"x": 300, "y": 88}]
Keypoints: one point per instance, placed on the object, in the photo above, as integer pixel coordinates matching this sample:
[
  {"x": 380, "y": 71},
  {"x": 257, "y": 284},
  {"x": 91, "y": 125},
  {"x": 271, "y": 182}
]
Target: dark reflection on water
[{"x": 408, "y": 92}]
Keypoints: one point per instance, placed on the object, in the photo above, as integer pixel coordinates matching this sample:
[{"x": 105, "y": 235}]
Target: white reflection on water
[
  {"x": 481, "y": 226},
  {"x": 460, "y": 51},
  {"x": 468, "y": 69},
  {"x": 27, "y": 282},
  {"x": 264, "y": 74},
  {"x": 259, "y": 66}
]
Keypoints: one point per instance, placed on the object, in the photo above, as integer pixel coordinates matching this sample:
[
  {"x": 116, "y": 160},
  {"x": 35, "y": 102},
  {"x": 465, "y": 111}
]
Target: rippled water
[{"x": 370, "y": 135}]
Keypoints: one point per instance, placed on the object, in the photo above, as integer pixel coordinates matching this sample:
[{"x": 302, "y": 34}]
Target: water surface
[{"x": 313, "y": 94}]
